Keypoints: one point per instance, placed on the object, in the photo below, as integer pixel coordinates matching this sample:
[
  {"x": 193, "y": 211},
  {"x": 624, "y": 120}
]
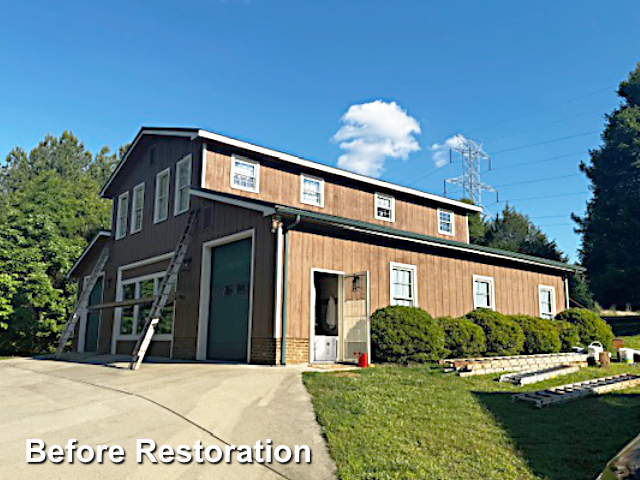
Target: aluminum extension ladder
[
  {"x": 83, "y": 300},
  {"x": 165, "y": 290}
]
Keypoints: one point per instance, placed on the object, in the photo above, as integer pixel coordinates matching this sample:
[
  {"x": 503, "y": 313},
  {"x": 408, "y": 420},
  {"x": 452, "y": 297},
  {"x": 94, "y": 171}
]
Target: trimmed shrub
[
  {"x": 405, "y": 334},
  {"x": 503, "y": 335},
  {"x": 591, "y": 328},
  {"x": 540, "y": 335},
  {"x": 568, "y": 334},
  {"x": 462, "y": 337}
]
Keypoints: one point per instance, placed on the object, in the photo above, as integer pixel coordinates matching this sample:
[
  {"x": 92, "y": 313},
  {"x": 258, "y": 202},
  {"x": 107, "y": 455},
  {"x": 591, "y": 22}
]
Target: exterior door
[
  {"x": 92, "y": 326},
  {"x": 355, "y": 317},
  {"x": 229, "y": 305}
]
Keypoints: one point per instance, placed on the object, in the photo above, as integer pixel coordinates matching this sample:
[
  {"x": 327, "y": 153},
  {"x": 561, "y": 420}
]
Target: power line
[
  {"x": 541, "y": 197},
  {"x": 555, "y": 224},
  {"x": 538, "y": 180},
  {"x": 428, "y": 174},
  {"x": 546, "y": 142},
  {"x": 538, "y": 161},
  {"x": 543, "y": 109},
  {"x": 550, "y": 216}
]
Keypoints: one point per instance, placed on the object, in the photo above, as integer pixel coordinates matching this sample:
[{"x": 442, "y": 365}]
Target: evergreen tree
[{"x": 611, "y": 226}]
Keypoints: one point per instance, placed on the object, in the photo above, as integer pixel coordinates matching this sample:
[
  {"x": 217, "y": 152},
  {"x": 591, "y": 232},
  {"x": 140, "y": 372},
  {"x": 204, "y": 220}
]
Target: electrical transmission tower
[{"x": 472, "y": 155}]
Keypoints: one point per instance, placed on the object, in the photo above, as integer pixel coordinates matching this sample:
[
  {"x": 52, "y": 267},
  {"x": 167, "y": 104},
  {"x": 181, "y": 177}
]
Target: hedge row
[{"x": 409, "y": 334}]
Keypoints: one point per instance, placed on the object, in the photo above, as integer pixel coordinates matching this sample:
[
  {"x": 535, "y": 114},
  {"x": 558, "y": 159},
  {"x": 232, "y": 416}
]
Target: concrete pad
[{"x": 171, "y": 403}]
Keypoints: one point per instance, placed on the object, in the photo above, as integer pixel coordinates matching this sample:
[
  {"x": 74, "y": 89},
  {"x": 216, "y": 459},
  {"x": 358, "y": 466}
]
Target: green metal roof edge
[{"x": 323, "y": 217}]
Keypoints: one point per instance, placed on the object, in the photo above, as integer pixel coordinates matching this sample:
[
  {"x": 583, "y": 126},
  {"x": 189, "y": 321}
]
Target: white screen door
[{"x": 355, "y": 325}]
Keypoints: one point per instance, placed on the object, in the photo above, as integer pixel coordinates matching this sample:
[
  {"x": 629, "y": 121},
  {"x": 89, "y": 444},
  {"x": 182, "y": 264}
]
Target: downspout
[{"x": 283, "y": 341}]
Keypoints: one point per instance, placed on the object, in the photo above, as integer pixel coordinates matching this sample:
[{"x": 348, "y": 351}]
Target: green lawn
[{"x": 420, "y": 423}]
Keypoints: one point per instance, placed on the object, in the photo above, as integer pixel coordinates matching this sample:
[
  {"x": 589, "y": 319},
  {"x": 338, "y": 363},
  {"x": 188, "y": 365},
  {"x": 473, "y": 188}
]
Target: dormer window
[
  {"x": 445, "y": 222},
  {"x": 245, "y": 174},
  {"x": 311, "y": 190},
  {"x": 385, "y": 207}
]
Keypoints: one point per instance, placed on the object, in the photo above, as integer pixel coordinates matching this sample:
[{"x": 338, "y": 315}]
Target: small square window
[
  {"x": 445, "y": 222},
  {"x": 245, "y": 174},
  {"x": 311, "y": 190},
  {"x": 385, "y": 206},
  {"x": 483, "y": 293}
]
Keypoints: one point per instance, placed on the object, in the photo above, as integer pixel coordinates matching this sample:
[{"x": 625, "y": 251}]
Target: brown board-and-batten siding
[
  {"x": 280, "y": 183},
  {"x": 444, "y": 279}
]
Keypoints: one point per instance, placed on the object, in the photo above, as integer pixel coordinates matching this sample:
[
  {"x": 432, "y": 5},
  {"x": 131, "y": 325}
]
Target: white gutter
[{"x": 277, "y": 311}]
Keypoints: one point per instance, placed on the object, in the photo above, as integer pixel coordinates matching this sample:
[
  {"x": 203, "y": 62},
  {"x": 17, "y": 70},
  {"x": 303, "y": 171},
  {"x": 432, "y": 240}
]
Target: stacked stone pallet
[{"x": 482, "y": 366}]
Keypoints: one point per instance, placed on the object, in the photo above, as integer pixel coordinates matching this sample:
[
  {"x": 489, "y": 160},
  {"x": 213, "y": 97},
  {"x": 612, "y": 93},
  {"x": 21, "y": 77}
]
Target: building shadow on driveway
[{"x": 567, "y": 441}]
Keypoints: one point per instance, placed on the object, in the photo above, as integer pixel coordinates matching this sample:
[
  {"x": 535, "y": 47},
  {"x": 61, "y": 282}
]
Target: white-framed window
[
  {"x": 132, "y": 318},
  {"x": 385, "y": 207},
  {"x": 137, "y": 208},
  {"x": 483, "y": 292},
  {"x": 445, "y": 222},
  {"x": 245, "y": 174},
  {"x": 403, "y": 285},
  {"x": 161, "y": 204},
  {"x": 122, "y": 215},
  {"x": 547, "y": 301},
  {"x": 311, "y": 190},
  {"x": 183, "y": 182}
]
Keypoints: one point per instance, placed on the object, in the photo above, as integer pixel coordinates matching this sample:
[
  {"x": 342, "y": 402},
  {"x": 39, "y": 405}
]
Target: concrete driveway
[{"x": 170, "y": 403}]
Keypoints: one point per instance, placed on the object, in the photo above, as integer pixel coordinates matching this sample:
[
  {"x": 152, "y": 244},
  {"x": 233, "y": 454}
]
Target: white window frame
[
  {"x": 453, "y": 222},
  {"x": 492, "y": 291},
  {"x": 237, "y": 159},
  {"x": 320, "y": 181},
  {"x": 157, "y": 278},
  {"x": 414, "y": 282},
  {"x": 134, "y": 207},
  {"x": 176, "y": 202},
  {"x": 157, "y": 218},
  {"x": 547, "y": 288},
  {"x": 392, "y": 207},
  {"x": 121, "y": 230}
]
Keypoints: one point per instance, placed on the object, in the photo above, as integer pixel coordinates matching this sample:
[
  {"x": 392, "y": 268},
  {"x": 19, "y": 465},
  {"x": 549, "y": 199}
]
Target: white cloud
[
  {"x": 441, "y": 150},
  {"x": 374, "y": 132}
]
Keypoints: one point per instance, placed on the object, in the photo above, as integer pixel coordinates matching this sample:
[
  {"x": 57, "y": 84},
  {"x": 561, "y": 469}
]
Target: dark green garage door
[
  {"x": 229, "y": 307},
  {"x": 93, "y": 319}
]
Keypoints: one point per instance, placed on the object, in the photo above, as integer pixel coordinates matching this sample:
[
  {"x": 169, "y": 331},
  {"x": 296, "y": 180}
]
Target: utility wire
[
  {"x": 536, "y": 161},
  {"x": 538, "y": 180},
  {"x": 512, "y": 119},
  {"x": 541, "y": 197},
  {"x": 428, "y": 174},
  {"x": 546, "y": 142}
]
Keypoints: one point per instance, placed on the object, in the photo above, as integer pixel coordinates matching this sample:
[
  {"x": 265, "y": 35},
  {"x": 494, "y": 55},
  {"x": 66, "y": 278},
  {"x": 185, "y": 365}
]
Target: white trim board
[
  {"x": 205, "y": 290},
  {"x": 101, "y": 233},
  {"x": 192, "y": 134},
  {"x": 249, "y": 205}
]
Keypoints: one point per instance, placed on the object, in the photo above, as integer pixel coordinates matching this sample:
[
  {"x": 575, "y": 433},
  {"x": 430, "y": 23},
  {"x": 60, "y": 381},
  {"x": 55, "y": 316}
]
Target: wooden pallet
[
  {"x": 574, "y": 391},
  {"x": 528, "y": 377}
]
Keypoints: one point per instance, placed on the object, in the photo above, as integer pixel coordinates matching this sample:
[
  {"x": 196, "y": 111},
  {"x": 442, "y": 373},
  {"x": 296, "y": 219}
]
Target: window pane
[
  {"x": 126, "y": 321},
  {"x": 166, "y": 320}
]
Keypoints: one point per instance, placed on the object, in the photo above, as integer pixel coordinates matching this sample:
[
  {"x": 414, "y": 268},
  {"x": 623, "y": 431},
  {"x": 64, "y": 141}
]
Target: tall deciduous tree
[
  {"x": 49, "y": 209},
  {"x": 611, "y": 226}
]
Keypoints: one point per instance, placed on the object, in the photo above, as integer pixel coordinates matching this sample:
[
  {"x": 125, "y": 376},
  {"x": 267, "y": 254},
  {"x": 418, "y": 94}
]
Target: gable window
[
  {"x": 547, "y": 300},
  {"x": 483, "y": 292},
  {"x": 183, "y": 182},
  {"x": 403, "y": 285},
  {"x": 122, "y": 215},
  {"x": 245, "y": 174},
  {"x": 161, "y": 207},
  {"x": 385, "y": 207},
  {"x": 132, "y": 318},
  {"x": 445, "y": 222},
  {"x": 137, "y": 208},
  {"x": 312, "y": 190}
]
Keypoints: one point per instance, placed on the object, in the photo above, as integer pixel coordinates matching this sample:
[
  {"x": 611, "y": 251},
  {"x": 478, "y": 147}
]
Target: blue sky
[{"x": 283, "y": 73}]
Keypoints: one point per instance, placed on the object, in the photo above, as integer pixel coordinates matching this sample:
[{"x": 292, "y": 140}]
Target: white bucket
[
  {"x": 626, "y": 354},
  {"x": 594, "y": 349}
]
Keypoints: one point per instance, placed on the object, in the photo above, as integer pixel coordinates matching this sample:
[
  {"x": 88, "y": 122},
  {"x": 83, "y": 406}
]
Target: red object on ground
[{"x": 363, "y": 361}]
